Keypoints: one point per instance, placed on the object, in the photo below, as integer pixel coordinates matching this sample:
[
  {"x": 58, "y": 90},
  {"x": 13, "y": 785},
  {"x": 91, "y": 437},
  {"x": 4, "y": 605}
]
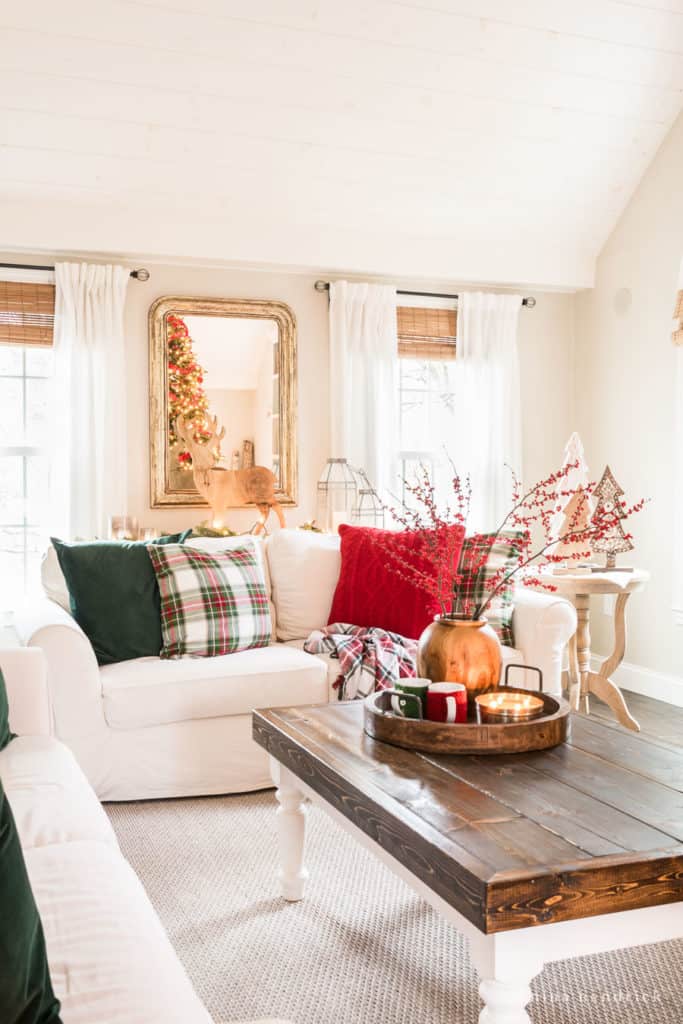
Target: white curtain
[
  {"x": 88, "y": 470},
  {"x": 488, "y": 430},
  {"x": 364, "y": 379}
]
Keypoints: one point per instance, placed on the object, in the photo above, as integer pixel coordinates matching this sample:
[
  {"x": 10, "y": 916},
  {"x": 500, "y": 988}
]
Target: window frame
[
  {"x": 28, "y": 524},
  {"x": 422, "y": 346}
]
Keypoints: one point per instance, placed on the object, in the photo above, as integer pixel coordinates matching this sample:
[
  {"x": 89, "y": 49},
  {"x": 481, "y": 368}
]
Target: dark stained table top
[{"x": 590, "y": 827}]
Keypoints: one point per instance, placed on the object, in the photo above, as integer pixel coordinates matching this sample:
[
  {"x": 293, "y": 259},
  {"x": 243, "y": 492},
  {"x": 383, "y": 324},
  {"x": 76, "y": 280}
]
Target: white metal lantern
[
  {"x": 337, "y": 494},
  {"x": 368, "y": 510}
]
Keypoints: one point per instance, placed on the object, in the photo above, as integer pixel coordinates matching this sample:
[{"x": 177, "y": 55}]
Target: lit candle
[{"x": 500, "y": 706}]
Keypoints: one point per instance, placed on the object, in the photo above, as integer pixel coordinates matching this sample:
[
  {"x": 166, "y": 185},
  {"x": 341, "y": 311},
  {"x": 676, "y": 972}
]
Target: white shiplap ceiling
[{"x": 480, "y": 140}]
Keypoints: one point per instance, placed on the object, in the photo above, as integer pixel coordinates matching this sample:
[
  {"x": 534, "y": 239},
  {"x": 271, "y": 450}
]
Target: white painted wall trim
[{"x": 639, "y": 679}]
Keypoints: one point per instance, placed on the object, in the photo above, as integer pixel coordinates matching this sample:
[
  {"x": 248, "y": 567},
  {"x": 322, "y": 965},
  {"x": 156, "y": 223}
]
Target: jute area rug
[{"x": 361, "y": 948}]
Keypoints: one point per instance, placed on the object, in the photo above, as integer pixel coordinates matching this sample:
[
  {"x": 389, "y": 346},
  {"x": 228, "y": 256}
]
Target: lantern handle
[{"x": 527, "y": 668}]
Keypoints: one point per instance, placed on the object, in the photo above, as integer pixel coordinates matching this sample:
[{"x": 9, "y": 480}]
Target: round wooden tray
[{"x": 472, "y": 737}]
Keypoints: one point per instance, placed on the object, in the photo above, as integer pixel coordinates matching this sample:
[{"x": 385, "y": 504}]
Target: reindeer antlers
[
  {"x": 213, "y": 430},
  {"x": 204, "y": 456}
]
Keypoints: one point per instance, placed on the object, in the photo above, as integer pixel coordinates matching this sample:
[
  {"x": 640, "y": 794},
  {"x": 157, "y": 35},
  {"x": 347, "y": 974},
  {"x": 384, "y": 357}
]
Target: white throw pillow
[
  {"x": 52, "y": 578},
  {"x": 304, "y": 569}
]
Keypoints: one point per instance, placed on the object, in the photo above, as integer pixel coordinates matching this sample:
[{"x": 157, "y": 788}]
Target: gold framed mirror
[{"x": 232, "y": 359}]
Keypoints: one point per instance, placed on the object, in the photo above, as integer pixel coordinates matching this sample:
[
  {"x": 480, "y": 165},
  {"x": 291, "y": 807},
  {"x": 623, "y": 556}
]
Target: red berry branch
[{"x": 434, "y": 558}]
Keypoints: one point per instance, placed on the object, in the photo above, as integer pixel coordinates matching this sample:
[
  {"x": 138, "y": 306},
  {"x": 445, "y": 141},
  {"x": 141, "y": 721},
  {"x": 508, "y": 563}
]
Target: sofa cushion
[
  {"x": 304, "y": 569},
  {"x": 485, "y": 555},
  {"x": 5, "y": 734},
  {"x": 258, "y": 545},
  {"x": 378, "y": 572},
  {"x": 52, "y": 579},
  {"x": 26, "y": 994},
  {"x": 210, "y": 604},
  {"x": 110, "y": 959},
  {"x": 152, "y": 691},
  {"x": 50, "y": 796},
  {"x": 114, "y": 595}
]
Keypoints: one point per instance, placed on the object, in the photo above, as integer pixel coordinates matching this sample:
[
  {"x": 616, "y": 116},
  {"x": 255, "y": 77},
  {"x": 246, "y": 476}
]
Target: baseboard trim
[{"x": 639, "y": 679}]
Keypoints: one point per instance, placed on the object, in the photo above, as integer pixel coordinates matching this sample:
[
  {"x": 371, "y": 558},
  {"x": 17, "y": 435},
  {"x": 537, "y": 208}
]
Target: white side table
[{"x": 582, "y": 680}]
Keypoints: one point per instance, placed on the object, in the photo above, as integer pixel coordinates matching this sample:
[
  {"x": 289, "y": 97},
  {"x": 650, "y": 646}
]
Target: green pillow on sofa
[
  {"x": 26, "y": 995},
  {"x": 114, "y": 595}
]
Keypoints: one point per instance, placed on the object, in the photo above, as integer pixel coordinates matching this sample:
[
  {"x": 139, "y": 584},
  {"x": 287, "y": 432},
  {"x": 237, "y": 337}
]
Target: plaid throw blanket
[{"x": 369, "y": 658}]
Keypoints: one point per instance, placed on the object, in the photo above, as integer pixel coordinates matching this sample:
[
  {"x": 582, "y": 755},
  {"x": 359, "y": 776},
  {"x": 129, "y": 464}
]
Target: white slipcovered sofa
[
  {"x": 166, "y": 728},
  {"x": 110, "y": 959}
]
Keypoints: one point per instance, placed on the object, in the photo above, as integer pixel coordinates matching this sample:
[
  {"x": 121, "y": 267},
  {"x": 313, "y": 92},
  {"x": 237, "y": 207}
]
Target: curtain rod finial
[{"x": 321, "y": 286}]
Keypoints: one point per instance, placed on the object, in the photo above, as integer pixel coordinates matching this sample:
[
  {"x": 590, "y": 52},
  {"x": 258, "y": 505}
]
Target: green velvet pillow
[
  {"x": 114, "y": 595},
  {"x": 5, "y": 734},
  {"x": 26, "y": 995}
]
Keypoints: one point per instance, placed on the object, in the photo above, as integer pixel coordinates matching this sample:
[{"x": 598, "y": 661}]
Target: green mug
[{"x": 409, "y": 698}]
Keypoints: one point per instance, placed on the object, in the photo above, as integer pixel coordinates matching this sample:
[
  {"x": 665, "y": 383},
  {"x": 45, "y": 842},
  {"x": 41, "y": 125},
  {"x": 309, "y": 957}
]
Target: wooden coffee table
[{"x": 535, "y": 857}]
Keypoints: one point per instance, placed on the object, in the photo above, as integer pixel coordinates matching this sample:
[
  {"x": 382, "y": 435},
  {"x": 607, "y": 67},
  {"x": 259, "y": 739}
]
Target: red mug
[{"x": 447, "y": 702}]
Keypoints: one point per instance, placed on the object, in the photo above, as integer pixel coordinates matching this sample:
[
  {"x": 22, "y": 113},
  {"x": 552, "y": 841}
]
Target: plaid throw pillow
[
  {"x": 472, "y": 589},
  {"x": 210, "y": 604}
]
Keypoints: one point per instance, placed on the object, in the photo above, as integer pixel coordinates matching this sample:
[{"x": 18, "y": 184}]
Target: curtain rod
[
  {"x": 139, "y": 275},
  {"x": 324, "y": 286}
]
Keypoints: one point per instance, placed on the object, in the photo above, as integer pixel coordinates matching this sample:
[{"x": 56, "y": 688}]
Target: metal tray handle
[{"x": 526, "y": 668}]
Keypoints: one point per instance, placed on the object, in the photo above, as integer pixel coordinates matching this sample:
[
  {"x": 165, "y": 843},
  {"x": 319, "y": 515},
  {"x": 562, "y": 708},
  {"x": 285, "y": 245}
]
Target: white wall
[{"x": 625, "y": 397}]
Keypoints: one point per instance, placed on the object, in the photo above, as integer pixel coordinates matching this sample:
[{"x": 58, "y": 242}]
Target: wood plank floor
[{"x": 659, "y": 722}]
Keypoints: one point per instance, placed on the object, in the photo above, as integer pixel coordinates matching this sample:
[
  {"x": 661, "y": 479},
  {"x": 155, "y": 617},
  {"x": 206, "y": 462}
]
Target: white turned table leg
[
  {"x": 291, "y": 820},
  {"x": 506, "y": 968},
  {"x": 505, "y": 1004}
]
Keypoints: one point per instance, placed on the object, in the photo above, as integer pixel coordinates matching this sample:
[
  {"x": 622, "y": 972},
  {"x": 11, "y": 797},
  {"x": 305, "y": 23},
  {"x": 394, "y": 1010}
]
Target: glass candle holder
[
  {"x": 148, "y": 533},
  {"x": 123, "y": 528},
  {"x": 499, "y": 706}
]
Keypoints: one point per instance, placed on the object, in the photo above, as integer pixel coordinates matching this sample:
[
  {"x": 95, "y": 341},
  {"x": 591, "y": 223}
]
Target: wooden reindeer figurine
[{"x": 227, "y": 488}]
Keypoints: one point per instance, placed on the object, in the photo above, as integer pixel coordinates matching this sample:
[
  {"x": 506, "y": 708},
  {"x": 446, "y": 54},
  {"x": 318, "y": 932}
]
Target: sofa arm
[
  {"x": 25, "y": 675},
  {"x": 73, "y": 674},
  {"x": 542, "y": 625}
]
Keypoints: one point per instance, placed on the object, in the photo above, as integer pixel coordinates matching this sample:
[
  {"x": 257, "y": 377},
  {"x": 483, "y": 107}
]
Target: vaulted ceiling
[{"x": 481, "y": 140}]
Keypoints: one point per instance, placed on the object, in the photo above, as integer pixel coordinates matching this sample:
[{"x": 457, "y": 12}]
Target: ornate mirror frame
[{"x": 162, "y": 494}]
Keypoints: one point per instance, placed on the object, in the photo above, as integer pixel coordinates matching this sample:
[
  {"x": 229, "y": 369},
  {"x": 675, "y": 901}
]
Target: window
[
  {"x": 426, "y": 345},
  {"x": 26, "y": 315}
]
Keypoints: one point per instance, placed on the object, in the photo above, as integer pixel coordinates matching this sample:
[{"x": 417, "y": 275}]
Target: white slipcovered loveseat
[
  {"x": 166, "y": 728},
  {"x": 110, "y": 960}
]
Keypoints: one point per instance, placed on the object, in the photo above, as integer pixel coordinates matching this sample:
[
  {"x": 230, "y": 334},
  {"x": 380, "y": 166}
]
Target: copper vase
[{"x": 458, "y": 650}]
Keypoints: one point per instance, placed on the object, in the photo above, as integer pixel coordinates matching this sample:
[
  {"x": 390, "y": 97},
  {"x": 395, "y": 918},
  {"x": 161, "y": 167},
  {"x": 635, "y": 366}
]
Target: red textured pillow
[{"x": 370, "y": 594}]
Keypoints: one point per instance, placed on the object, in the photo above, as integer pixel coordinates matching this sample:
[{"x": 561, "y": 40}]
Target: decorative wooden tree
[
  {"x": 613, "y": 540},
  {"x": 577, "y": 512},
  {"x": 574, "y": 456},
  {"x": 574, "y": 518}
]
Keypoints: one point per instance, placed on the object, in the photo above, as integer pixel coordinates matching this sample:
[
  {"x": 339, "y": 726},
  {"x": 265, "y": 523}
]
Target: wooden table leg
[
  {"x": 583, "y": 651},
  {"x": 601, "y": 684},
  {"x": 506, "y": 973},
  {"x": 573, "y": 675}
]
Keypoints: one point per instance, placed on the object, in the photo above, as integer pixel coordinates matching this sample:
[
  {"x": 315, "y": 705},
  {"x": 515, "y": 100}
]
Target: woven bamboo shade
[
  {"x": 677, "y": 333},
  {"x": 27, "y": 313},
  {"x": 425, "y": 333}
]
